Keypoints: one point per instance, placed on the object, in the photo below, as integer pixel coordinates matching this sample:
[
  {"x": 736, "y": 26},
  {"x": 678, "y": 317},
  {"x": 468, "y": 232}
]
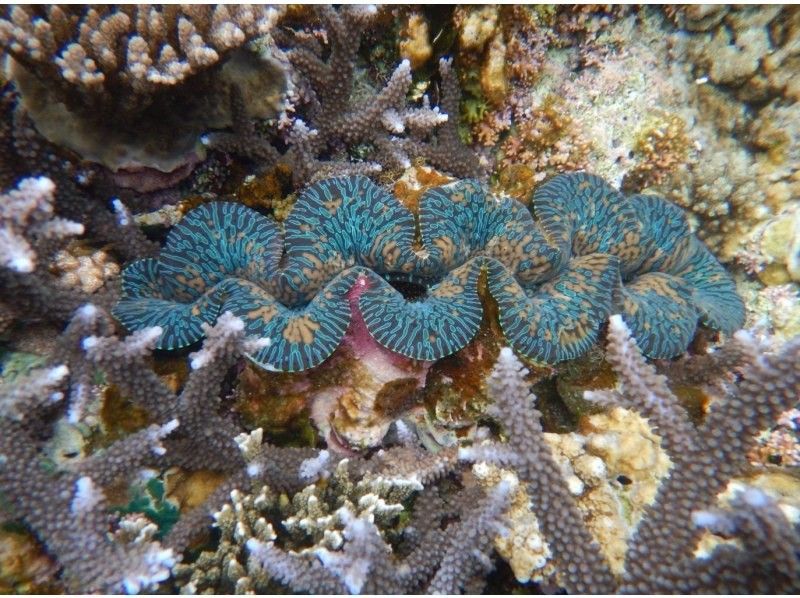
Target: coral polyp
[{"x": 585, "y": 252}]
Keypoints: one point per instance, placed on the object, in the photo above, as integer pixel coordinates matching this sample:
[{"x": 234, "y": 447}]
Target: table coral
[
  {"x": 555, "y": 281},
  {"x": 104, "y": 82}
]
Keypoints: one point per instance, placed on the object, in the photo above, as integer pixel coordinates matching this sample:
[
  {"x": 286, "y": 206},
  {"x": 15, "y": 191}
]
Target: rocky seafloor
[{"x": 128, "y": 464}]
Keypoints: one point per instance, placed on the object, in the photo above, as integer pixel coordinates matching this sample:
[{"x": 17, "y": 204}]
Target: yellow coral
[
  {"x": 25, "y": 568},
  {"x": 629, "y": 448},
  {"x": 547, "y": 141},
  {"x": 81, "y": 268},
  {"x": 415, "y": 181},
  {"x": 613, "y": 445},
  {"x": 478, "y": 27},
  {"x": 493, "y": 72},
  {"x": 524, "y": 547},
  {"x": 415, "y": 43}
]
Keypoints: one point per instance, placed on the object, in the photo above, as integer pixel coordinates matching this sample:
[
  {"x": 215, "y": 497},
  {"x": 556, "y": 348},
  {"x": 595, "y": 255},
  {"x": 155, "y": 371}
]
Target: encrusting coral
[{"x": 554, "y": 281}]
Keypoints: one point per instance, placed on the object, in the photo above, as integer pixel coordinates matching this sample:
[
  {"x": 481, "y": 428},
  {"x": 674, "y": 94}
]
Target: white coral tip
[
  {"x": 168, "y": 427},
  {"x": 89, "y": 343}
]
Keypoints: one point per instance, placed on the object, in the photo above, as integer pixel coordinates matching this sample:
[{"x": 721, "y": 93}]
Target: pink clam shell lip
[
  {"x": 145, "y": 179},
  {"x": 339, "y": 445}
]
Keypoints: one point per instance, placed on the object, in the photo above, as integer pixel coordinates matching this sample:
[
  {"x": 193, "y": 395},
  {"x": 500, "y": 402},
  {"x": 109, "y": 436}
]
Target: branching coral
[
  {"x": 67, "y": 508},
  {"x": 29, "y": 207},
  {"x": 705, "y": 458},
  {"x": 330, "y": 119},
  {"x": 661, "y": 557},
  {"x": 378, "y": 286},
  {"x": 28, "y": 227},
  {"x": 345, "y": 525},
  {"x": 44, "y": 496},
  {"x": 80, "y": 194},
  {"x": 229, "y": 80},
  {"x": 554, "y": 281}
]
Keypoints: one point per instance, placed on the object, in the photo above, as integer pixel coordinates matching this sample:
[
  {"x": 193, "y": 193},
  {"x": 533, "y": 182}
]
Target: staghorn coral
[
  {"x": 350, "y": 530},
  {"x": 29, "y": 210},
  {"x": 335, "y": 123},
  {"x": 554, "y": 281},
  {"x": 705, "y": 459},
  {"x": 448, "y": 522},
  {"x": 610, "y": 447},
  {"x": 661, "y": 554},
  {"x": 30, "y": 233},
  {"x": 66, "y": 508},
  {"x": 331, "y": 123},
  {"x": 308, "y": 517},
  {"x": 364, "y": 562},
  {"x": 103, "y": 81},
  {"x": 80, "y": 195},
  {"x": 78, "y": 484},
  {"x": 353, "y": 554}
]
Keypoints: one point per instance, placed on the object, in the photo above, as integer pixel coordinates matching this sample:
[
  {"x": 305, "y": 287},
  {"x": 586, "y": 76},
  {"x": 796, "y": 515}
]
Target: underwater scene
[{"x": 399, "y": 299}]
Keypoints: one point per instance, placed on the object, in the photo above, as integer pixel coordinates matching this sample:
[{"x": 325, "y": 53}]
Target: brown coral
[
  {"x": 415, "y": 44},
  {"x": 662, "y": 148},
  {"x": 545, "y": 140}
]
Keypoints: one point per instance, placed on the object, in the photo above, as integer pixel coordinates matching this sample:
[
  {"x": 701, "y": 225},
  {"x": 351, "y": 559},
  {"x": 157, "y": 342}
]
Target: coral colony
[{"x": 325, "y": 300}]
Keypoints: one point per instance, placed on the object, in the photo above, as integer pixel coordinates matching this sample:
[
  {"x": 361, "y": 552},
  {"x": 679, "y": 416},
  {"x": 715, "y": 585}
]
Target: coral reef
[
  {"x": 473, "y": 371},
  {"x": 551, "y": 305},
  {"x": 29, "y": 235},
  {"x": 743, "y": 61},
  {"x": 302, "y": 102},
  {"x": 85, "y": 270},
  {"x": 639, "y": 100}
]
